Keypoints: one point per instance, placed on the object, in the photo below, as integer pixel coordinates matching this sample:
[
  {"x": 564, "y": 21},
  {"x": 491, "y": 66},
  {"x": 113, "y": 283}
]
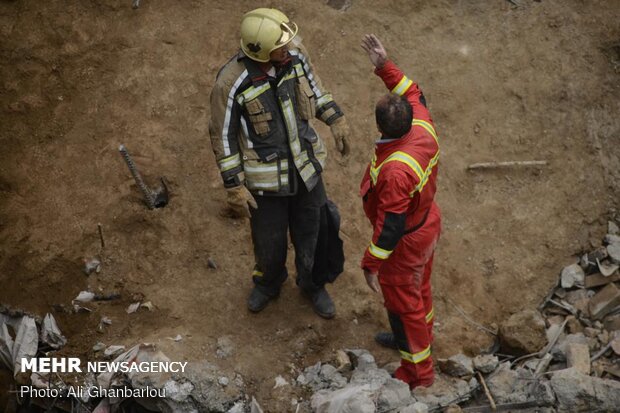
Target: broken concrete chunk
[
  {"x": 604, "y": 301},
  {"x": 92, "y": 265},
  {"x": 572, "y": 275},
  {"x": 578, "y": 356},
  {"x": 113, "y": 351},
  {"x": 361, "y": 359},
  {"x": 225, "y": 347},
  {"x": 612, "y": 239},
  {"x": 523, "y": 332},
  {"x": 458, "y": 365},
  {"x": 344, "y": 362},
  {"x": 612, "y": 322},
  {"x": 351, "y": 399},
  {"x": 577, "y": 392},
  {"x": 486, "y": 363},
  {"x": 50, "y": 333},
  {"x": 573, "y": 325},
  {"x": 133, "y": 308},
  {"x": 612, "y": 228},
  {"x": 393, "y": 394},
  {"x": 24, "y": 347},
  {"x": 416, "y": 407},
  {"x": 84, "y": 296},
  {"x": 98, "y": 347},
  {"x": 614, "y": 252},
  {"x": 597, "y": 280}
]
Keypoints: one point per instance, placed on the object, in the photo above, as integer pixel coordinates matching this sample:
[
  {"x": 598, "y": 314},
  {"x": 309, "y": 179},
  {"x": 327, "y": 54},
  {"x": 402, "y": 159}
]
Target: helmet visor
[{"x": 289, "y": 30}]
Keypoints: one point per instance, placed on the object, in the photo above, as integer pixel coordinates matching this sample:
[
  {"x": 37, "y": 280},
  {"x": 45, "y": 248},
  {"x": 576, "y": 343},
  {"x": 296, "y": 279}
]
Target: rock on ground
[
  {"x": 458, "y": 365},
  {"x": 486, "y": 363},
  {"x": 523, "y": 332},
  {"x": 577, "y": 392}
]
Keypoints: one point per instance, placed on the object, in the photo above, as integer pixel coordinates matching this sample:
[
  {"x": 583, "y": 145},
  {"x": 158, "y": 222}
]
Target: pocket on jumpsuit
[{"x": 259, "y": 118}]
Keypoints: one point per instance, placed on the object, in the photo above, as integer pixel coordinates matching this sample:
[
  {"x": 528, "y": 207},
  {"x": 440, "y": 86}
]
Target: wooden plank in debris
[{"x": 597, "y": 280}]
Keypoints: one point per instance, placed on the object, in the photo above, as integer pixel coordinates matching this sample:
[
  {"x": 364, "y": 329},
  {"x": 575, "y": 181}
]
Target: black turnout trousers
[{"x": 270, "y": 223}]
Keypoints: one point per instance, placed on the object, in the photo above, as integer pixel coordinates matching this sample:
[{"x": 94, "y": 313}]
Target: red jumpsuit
[{"x": 398, "y": 191}]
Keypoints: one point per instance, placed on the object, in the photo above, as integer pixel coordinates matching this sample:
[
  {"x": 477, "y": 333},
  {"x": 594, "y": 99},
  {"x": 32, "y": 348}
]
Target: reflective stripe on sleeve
[
  {"x": 378, "y": 252},
  {"x": 229, "y": 163},
  {"x": 402, "y": 86},
  {"x": 229, "y": 106}
]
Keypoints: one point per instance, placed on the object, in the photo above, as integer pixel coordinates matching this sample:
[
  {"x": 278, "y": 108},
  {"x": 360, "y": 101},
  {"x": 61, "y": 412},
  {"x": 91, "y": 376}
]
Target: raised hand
[{"x": 376, "y": 52}]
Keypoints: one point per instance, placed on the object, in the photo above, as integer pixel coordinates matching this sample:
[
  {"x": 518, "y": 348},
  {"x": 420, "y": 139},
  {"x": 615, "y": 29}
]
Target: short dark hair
[{"x": 394, "y": 116}]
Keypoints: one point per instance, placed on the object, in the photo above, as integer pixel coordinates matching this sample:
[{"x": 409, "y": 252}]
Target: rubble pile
[{"x": 562, "y": 358}]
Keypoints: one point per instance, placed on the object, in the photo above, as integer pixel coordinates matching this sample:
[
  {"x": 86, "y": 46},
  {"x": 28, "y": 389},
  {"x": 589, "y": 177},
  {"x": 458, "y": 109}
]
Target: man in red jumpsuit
[{"x": 398, "y": 191}]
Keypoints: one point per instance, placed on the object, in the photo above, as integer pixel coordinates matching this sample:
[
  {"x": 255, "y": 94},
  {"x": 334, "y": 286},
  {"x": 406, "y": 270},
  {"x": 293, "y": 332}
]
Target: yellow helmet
[{"x": 264, "y": 30}]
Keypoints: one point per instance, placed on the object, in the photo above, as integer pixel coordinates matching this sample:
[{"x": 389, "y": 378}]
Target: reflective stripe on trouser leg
[
  {"x": 408, "y": 321},
  {"x": 269, "y": 225},
  {"x": 427, "y": 297}
]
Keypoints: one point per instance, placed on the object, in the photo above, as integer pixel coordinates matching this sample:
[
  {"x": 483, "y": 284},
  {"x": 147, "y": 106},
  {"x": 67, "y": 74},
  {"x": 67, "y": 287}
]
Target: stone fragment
[
  {"x": 486, "y": 363},
  {"x": 578, "y": 356},
  {"x": 178, "y": 392},
  {"x": 113, "y": 350},
  {"x": 255, "y": 407},
  {"x": 393, "y": 394},
  {"x": 577, "y": 392},
  {"x": 591, "y": 332},
  {"x": 361, "y": 359},
  {"x": 573, "y": 325},
  {"x": 444, "y": 392},
  {"x": 579, "y": 299},
  {"x": 458, "y": 365},
  {"x": 351, "y": 399},
  {"x": 523, "y": 332},
  {"x": 597, "y": 280},
  {"x": 572, "y": 275},
  {"x": 612, "y": 228},
  {"x": 416, "y": 407},
  {"x": 225, "y": 347},
  {"x": 344, "y": 362},
  {"x": 604, "y": 301},
  {"x": 614, "y": 252},
  {"x": 612, "y": 239},
  {"x": 612, "y": 323}
]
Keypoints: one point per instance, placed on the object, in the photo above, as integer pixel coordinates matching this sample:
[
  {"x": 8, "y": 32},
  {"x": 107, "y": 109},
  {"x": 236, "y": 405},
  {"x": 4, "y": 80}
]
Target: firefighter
[
  {"x": 269, "y": 155},
  {"x": 398, "y": 191}
]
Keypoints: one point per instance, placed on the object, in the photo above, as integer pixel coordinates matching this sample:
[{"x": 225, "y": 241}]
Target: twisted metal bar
[{"x": 148, "y": 194}]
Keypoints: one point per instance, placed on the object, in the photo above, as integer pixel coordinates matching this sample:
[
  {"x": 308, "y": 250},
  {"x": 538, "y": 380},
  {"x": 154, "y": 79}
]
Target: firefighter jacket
[
  {"x": 399, "y": 185},
  {"x": 260, "y": 130}
]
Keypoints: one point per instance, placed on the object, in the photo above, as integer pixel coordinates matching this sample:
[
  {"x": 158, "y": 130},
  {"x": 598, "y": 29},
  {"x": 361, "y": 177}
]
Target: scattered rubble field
[{"x": 520, "y": 80}]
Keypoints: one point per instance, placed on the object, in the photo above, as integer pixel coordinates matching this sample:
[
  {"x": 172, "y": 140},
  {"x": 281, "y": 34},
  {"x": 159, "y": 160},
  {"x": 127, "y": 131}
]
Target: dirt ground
[{"x": 537, "y": 81}]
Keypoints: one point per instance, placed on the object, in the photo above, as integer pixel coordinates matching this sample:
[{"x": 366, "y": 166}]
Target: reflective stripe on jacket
[
  {"x": 260, "y": 130},
  {"x": 399, "y": 185}
]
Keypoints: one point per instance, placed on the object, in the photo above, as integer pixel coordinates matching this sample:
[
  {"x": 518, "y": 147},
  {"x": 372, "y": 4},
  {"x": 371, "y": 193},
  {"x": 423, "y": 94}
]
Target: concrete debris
[
  {"x": 612, "y": 239},
  {"x": 113, "y": 351},
  {"x": 322, "y": 376},
  {"x": 99, "y": 347},
  {"x": 224, "y": 381},
  {"x": 572, "y": 275},
  {"x": 607, "y": 269},
  {"x": 85, "y": 297},
  {"x": 225, "y": 347},
  {"x": 458, "y": 365},
  {"x": 578, "y": 356},
  {"x": 486, "y": 363},
  {"x": 604, "y": 301},
  {"x": 523, "y": 333},
  {"x": 280, "y": 382},
  {"x": 92, "y": 265},
  {"x": 612, "y": 228},
  {"x": 255, "y": 407},
  {"x": 614, "y": 252},
  {"x": 361, "y": 359},
  {"x": 343, "y": 360},
  {"x": 50, "y": 333},
  {"x": 576, "y": 391},
  {"x": 133, "y": 308},
  {"x": 444, "y": 392},
  {"x": 597, "y": 280},
  {"x": 351, "y": 399},
  {"x": 25, "y": 345},
  {"x": 615, "y": 343},
  {"x": 148, "y": 305},
  {"x": 416, "y": 407}
]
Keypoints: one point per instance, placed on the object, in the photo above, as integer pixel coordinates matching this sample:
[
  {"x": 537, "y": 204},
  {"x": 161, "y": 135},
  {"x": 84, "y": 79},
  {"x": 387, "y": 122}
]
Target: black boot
[
  {"x": 386, "y": 340},
  {"x": 322, "y": 303},
  {"x": 257, "y": 300}
]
